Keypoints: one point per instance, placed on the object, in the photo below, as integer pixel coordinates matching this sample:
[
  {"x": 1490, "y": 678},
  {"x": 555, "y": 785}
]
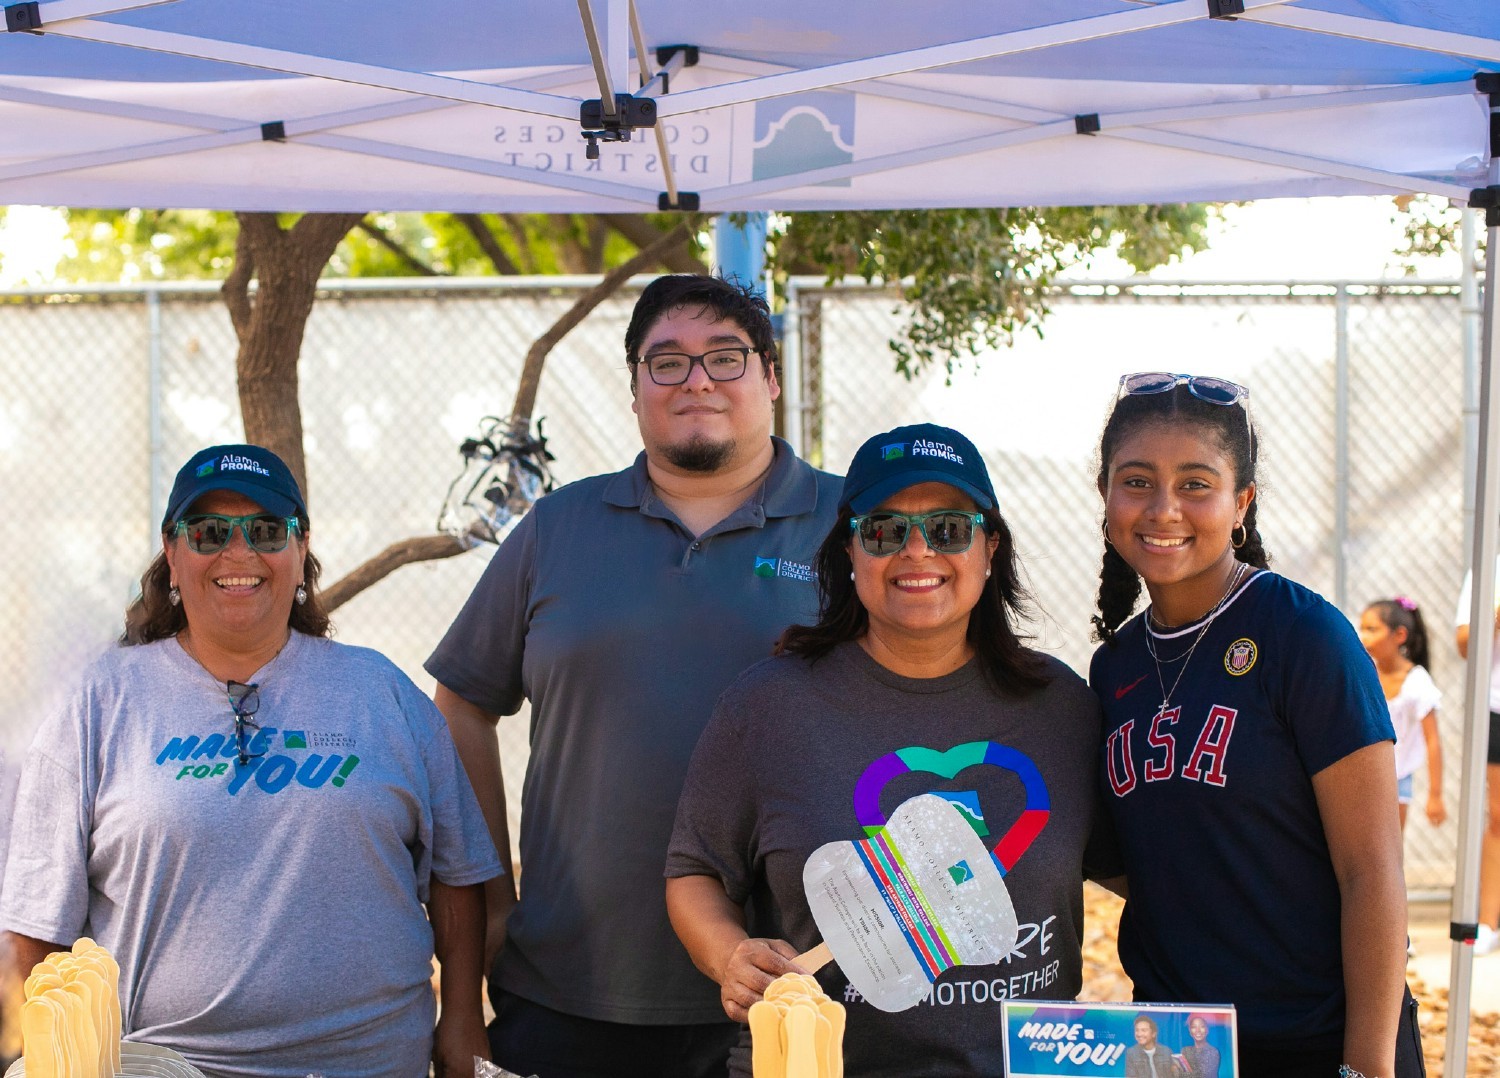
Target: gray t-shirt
[
  {"x": 621, "y": 628},
  {"x": 774, "y": 777},
  {"x": 267, "y": 918}
]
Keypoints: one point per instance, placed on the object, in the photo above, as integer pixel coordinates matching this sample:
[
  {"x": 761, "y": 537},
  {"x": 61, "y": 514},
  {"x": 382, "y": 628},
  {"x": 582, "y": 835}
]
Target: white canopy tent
[{"x": 475, "y": 105}]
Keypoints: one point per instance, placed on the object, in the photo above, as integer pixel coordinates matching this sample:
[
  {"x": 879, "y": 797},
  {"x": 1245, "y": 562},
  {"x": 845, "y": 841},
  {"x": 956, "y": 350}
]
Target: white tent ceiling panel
[{"x": 475, "y": 104}]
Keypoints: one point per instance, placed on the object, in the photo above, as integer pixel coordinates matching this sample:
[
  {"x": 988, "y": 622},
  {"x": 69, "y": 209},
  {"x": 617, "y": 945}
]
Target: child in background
[{"x": 1393, "y": 632}]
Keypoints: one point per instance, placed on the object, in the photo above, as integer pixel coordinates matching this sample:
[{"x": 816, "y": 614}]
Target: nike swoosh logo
[{"x": 1123, "y": 689}]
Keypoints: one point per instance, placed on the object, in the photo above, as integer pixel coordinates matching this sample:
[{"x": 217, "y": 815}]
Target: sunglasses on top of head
[
  {"x": 1209, "y": 390},
  {"x": 209, "y": 533},
  {"x": 946, "y": 531}
]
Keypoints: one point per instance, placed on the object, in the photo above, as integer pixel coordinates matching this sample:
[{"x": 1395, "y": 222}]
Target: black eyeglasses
[
  {"x": 244, "y": 700},
  {"x": 209, "y": 533},
  {"x": 1209, "y": 390},
  {"x": 674, "y": 368},
  {"x": 947, "y": 531}
]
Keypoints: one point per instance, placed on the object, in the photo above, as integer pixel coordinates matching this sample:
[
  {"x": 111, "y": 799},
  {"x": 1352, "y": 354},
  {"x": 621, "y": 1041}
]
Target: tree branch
[
  {"x": 376, "y": 569},
  {"x": 536, "y": 355},
  {"x": 382, "y": 237},
  {"x": 487, "y": 243},
  {"x": 517, "y": 226},
  {"x": 638, "y": 229}
]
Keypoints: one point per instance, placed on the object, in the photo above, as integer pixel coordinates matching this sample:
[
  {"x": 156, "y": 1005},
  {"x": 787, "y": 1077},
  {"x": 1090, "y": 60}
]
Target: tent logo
[
  {"x": 802, "y": 132},
  {"x": 893, "y": 451}
]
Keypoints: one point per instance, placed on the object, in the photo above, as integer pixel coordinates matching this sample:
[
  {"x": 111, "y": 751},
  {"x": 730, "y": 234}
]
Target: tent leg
[{"x": 1465, "y": 909}]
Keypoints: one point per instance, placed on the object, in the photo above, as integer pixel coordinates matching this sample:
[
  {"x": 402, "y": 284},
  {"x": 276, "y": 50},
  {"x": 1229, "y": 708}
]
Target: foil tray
[{"x": 139, "y": 1061}]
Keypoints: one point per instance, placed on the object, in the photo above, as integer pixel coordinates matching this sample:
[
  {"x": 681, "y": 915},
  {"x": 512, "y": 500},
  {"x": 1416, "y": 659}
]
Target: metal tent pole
[{"x": 1481, "y": 645}]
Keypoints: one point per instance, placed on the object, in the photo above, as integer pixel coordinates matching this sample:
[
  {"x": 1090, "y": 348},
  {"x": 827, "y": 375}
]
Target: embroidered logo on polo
[
  {"x": 1241, "y": 656},
  {"x": 272, "y": 766},
  {"x": 783, "y": 568}
]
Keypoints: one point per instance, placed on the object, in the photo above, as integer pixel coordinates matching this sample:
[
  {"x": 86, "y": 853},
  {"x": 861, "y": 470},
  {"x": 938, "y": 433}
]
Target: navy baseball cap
[
  {"x": 250, "y": 470},
  {"x": 924, "y": 453}
]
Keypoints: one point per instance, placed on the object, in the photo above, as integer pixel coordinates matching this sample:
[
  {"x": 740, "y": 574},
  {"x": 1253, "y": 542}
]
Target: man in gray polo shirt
[{"x": 621, "y": 606}]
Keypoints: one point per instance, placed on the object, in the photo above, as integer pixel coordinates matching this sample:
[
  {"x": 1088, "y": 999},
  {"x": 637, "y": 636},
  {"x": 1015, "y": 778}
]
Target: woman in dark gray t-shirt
[{"x": 912, "y": 680}]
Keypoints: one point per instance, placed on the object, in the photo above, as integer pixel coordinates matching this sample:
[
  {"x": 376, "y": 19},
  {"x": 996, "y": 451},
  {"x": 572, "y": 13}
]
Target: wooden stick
[{"x": 815, "y": 959}]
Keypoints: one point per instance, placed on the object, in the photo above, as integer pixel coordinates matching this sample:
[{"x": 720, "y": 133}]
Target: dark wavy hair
[
  {"x": 1008, "y": 664},
  {"x": 726, "y": 298},
  {"x": 1404, "y": 614},
  {"x": 151, "y": 617},
  {"x": 1227, "y": 427}
]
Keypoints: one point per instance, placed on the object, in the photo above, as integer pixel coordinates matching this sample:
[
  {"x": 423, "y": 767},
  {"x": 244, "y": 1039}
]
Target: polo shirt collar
[{"x": 790, "y": 489}]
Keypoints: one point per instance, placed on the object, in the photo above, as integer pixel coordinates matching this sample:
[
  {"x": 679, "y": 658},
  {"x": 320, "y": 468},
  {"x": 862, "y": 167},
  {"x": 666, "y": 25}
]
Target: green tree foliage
[
  {"x": 971, "y": 280},
  {"x": 147, "y": 245}
]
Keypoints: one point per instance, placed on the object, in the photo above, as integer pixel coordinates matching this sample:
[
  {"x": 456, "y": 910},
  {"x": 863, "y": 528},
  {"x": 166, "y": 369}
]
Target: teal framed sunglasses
[
  {"x": 209, "y": 533},
  {"x": 947, "y": 531}
]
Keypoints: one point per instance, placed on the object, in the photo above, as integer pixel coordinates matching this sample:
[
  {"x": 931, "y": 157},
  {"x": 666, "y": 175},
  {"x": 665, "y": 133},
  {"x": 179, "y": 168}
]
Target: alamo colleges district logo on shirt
[{"x": 784, "y": 568}]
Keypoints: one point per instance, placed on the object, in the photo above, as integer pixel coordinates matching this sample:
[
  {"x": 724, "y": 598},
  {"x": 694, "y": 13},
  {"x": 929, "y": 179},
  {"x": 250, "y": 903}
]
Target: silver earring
[
  {"x": 851, "y": 574},
  {"x": 987, "y": 573},
  {"x": 301, "y": 595},
  {"x": 174, "y": 597}
]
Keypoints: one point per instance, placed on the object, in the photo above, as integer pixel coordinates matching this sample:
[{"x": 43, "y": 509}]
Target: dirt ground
[{"x": 1103, "y": 979}]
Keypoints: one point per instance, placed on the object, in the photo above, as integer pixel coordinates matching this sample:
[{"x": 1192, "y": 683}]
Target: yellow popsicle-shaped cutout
[
  {"x": 801, "y": 1042},
  {"x": 833, "y": 1014},
  {"x": 89, "y": 983},
  {"x": 43, "y": 1045},
  {"x": 39, "y": 983},
  {"x": 83, "y": 1038},
  {"x": 767, "y": 1057},
  {"x": 822, "y": 1040},
  {"x": 87, "y": 952}
]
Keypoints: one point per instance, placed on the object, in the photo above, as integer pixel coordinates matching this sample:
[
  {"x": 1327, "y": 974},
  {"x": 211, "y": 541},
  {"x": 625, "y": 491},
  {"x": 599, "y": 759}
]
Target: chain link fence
[{"x": 1356, "y": 389}]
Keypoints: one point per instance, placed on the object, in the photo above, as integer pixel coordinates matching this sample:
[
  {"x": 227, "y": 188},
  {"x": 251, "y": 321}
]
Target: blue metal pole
[{"x": 740, "y": 250}]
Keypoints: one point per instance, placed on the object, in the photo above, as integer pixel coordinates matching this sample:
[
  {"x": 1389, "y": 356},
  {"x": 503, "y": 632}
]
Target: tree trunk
[{"x": 270, "y": 323}]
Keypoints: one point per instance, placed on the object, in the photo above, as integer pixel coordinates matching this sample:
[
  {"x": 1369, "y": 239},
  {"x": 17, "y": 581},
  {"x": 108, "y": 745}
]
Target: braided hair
[{"x": 1227, "y": 427}]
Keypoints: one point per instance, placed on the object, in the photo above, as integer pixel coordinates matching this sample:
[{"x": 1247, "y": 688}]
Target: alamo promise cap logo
[{"x": 889, "y": 462}]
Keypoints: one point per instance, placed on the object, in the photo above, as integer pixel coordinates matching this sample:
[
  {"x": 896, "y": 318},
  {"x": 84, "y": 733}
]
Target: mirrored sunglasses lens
[
  {"x": 882, "y": 534},
  {"x": 1152, "y": 382},
  {"x": 1215, "y": 390},
  {"x": 267, "y": 534},
  {"x": 207, "y": 534},
  {"x": 949, "y": 533}
]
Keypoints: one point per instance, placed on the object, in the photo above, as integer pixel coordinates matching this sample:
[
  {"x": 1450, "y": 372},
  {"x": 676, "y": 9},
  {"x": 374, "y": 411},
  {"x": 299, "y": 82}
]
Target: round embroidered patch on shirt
[{"x": 1241, "y": 656}]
